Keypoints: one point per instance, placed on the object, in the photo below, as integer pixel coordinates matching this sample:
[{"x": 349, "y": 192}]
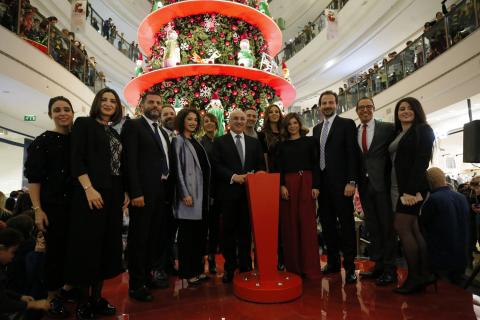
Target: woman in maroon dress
[{"x": 298, "y": 164}]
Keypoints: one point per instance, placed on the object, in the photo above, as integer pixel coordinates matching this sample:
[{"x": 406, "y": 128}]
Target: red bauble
[
  {"x": 244, "y": 100},
  {"x": 203, "y": 84},
  {"x": 189, "y": 82},
  {"x": 205, "y": 100},
  {"x": 175, "y": 90},
  {"x": 227, "y": 43},
  {"x": 244, "y": 85},
  {"x": 196, "y": 94},
  {"x": 214, "y": 40},
  {"x": 234, "y": 105},
  {"x": 234, "y": 28},
  {"x": 229, "y": 84},
  {"x": 225, "y": 98},
  {"x": 170, "y": 100},
  {"x": 234, "y": 92}
]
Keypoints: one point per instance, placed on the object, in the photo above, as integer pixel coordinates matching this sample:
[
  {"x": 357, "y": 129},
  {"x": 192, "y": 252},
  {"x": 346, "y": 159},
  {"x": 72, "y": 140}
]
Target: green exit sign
[{"x": 29, "y": 117}]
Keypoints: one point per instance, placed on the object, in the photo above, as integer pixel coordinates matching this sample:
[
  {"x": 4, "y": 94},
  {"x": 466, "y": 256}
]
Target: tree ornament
[
  {"x": 157, "y": 4},
  {"x": 206, "y": 92},
  {"x": 139, "y": 65},
  {"x": 171, "y": 55},
  {"x": 285, "y": 71},
  {"x": 215, "y": 107},
  {"x": 263, "y": 8},
  {"x": 245, "y": 56}
]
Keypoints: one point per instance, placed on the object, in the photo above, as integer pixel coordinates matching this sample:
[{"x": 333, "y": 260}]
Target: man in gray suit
[{"x": 374, "y": 137}]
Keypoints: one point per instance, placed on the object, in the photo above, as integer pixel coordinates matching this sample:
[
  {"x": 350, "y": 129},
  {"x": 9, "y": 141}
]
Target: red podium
[{"x": 267, "y": 284}]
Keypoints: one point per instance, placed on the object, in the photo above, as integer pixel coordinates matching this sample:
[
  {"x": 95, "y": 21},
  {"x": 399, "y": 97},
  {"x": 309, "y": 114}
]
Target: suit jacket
[
  {"x": 411, "y": 161},
  {"x": 143, "y": 157},
  {"x": 227, "y": 162},
  {"x": 189, "y": 179},
  {"x": 341, "y": 152},
  {"x": 90, "y": 151},
  {"x": 376, "y": 162}
]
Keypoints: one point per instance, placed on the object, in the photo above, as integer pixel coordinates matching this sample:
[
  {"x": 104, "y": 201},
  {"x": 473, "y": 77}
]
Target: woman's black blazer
[
  {"x": 411, "y": 161},
  {"x": 91, "y": 152}
]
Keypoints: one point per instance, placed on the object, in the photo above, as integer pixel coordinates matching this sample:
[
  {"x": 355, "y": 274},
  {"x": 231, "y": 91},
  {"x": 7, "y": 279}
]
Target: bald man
[
  {"x": 235, "y": 155},
  {"x": 445, "y": 223}
]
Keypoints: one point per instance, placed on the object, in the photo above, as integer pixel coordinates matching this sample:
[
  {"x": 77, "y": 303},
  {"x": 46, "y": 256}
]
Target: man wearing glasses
[{"x": 373, "y": 138}]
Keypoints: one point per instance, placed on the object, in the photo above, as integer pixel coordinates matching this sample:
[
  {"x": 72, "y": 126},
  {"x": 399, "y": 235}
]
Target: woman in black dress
[
  {"x": 210, "y": 127},
  {"x": 192, "y": 196},
  {"x": 48, "y": 172},
  {"x": 270, "y": 135},
  {"x": 269, "y": 138},
  {"x": 95, "y": 246},
  {"x": 410, "y": 152}
]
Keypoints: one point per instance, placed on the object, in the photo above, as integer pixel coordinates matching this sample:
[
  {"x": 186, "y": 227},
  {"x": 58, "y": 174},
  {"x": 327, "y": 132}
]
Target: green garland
[
  {"x": 233, "y": 92},
  {"x": 195, "y": 39}
]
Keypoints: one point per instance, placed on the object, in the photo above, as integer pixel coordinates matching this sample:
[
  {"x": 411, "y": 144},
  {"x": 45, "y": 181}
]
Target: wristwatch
[{"x": 352, "y": 182}]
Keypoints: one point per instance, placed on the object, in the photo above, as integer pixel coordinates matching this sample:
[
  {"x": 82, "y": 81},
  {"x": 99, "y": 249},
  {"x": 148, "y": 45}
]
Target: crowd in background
[{"x": 184, "y": 191}]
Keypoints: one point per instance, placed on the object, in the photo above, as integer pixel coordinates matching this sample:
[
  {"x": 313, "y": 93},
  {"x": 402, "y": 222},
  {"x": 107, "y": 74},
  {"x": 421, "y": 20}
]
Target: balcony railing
[
  {"x": 115, "y": 37},
  {"x": 310, "y": 31},
  {"x": 444, "y": 34},
  {"x": 23, "y": 19}
]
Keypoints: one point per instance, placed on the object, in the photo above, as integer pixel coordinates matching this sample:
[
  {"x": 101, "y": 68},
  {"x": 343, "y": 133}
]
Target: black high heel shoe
[
  {"x": 411, "y": 286},
  {"x": 431, "y": 280}
]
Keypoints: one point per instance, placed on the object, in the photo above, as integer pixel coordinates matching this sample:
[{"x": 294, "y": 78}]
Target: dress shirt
[
  {"x": 330, "y": 121},
  {"x": 171, "y": 134},
  {"x": 370, "y": 133},
  {"x": 162, "y": 138},
  {"x": 242, "y": 141}
]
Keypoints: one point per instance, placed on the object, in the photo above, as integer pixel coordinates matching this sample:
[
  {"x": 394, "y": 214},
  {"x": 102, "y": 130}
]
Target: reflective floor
[{"x": 322, "y": 299}]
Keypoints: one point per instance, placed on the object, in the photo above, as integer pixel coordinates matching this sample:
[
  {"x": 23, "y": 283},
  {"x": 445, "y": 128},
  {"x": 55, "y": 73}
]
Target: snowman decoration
[
  {"x": 171, "y": 56},
  {"x": 245, "y": 56}
]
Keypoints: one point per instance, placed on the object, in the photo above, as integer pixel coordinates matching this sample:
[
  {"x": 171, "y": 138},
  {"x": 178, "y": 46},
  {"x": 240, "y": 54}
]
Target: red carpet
[{"x": 322, "y": 299}]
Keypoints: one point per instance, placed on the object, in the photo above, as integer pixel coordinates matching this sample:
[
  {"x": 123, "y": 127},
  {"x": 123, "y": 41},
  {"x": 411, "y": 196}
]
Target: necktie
[
  {"x": 164, "y": 164},
  {"x": 323, "y": 142},
  {"x": 364, "y": 138},
  {"x": 239, "y": 146}
]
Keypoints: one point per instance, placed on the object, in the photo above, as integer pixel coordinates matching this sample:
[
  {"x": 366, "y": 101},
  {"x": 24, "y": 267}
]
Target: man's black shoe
[
  {"x": 373, "y": 273},
  {"x": 227, "y": 277},
  {"x": 57, "y": 309},
  {"x": 103, "y": 307},
  {"x": 159, "y": 280},
  {"x": 388, "y": 277},
  {"x": 141, "y": 294},
  {"x": 350, "y": 276},
  {"x": 84, "y": 311},
  {"x": 329, "y": 269}
]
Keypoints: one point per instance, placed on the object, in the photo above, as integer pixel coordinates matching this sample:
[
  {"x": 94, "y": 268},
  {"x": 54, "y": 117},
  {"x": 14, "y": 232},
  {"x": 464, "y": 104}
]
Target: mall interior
[{"x": 382, "y": 49}]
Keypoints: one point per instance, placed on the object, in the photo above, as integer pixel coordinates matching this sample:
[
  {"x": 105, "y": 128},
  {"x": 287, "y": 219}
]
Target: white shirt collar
[
  {"x": 234, "y": 134},
  {"x": 330, "y": 120},
  {"x": 149, "y": 121},
  {"x": 370, "y": 124}
]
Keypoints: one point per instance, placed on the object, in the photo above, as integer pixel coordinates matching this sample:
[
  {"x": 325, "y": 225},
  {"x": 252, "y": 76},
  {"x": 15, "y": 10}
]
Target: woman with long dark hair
[
  {"x": 410, "y": 152},
  {"x": 270, "y": 135},
  {"x": 210, "y": 127},
  {"x": 192, "y": 196},
  {"x": 299, "y": 167},
  {"x": 95, "y": 246},
  {"x": 49, "y": 184}
]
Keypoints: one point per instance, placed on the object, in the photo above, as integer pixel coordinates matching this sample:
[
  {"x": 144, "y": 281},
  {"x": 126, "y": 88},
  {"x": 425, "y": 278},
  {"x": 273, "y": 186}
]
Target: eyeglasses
[{"x": 367, "y": 107}]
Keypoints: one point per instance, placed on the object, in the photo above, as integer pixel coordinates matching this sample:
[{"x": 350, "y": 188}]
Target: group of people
[{"x": 176, "y": 182}]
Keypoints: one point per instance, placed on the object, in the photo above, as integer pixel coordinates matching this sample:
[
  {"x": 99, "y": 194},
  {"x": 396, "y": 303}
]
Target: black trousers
[
  {"x": 213, "y": 225},
  {"x": 333, "y": 206},
  {"x": 56, "y": 238},
  {"x": 191, "y": 247},
  {"x": 379, "y": 221},
  {"x": 147, "y": 237},
  {"x": 236, "y": 235}
]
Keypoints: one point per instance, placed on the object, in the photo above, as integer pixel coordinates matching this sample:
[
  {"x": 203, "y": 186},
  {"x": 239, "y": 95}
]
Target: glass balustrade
[
  {"x": 446, "y": 32},
  {"x": 25, "y": 20}
]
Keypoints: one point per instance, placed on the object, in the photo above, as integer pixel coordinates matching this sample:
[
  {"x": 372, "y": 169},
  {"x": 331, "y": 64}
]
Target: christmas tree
[{"x": 210, "y": 55}]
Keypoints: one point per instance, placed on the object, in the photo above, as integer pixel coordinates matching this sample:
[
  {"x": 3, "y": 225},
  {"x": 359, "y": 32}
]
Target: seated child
[{"x": 12, "y": 303}]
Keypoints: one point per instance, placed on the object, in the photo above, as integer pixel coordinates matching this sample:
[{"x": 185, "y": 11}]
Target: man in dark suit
[
  {"x": 235, "y": 156},
  {"x": 339, "y": 172},
  {"x": 373, "y": 139},
  {"x": 146, "y": 150}
]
